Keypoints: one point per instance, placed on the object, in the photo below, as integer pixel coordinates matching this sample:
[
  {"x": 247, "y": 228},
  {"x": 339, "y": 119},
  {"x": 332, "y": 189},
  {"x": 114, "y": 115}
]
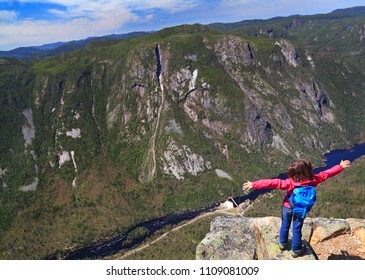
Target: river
[{"x": 125, "y": 242}]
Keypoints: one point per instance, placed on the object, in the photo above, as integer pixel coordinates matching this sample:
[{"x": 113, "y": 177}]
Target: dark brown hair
[{"x": 300, "y": 170}]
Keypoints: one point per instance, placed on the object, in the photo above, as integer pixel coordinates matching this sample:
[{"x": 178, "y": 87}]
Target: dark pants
[{"x": 286, "y": 219}]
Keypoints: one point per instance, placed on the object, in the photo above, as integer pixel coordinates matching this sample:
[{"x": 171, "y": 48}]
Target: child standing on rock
[{"x": 300, "y": 174}]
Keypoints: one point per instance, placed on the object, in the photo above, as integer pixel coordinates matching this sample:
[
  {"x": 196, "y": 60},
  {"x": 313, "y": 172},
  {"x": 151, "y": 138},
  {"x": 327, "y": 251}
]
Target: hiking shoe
[
  {"x": 283, "y": 246},
  {"x": 299, "y": 253}
]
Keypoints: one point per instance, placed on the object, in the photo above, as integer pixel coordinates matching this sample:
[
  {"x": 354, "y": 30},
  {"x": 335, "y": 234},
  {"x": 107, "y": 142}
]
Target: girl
[{"x": 300, "y": 173}]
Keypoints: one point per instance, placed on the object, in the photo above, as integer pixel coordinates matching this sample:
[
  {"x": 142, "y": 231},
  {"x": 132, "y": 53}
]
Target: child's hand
[
  {"x": 247, "y": 186},
  {"x": 345, "y": 163}
]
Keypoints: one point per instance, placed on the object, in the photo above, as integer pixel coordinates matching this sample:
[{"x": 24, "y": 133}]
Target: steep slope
[
  {"x": 99, "y": 139},
  {"x": 339, "y": 33}
]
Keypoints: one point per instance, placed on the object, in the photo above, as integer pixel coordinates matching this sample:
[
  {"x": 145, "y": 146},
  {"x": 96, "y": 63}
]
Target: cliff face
[
  {"x": 159, "y": 109},
  {"x": 257, "y": 239}
]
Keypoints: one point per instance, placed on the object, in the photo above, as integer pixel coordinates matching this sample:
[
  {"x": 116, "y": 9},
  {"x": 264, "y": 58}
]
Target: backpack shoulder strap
[
  {"x": 287, "y": 196},
  {"x": 287, "y": 191}
]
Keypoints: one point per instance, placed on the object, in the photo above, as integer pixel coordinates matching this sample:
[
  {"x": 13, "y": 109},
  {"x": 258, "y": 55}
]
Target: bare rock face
[
  {"x": 236, "y": 244},
  {"x": 337, "y": 238},
  {"x": 289, "y": 52},
  {"x": 244, "y": 238},
  {"x": 257, "y": 239},
  {"x": 324, "y": 229}
]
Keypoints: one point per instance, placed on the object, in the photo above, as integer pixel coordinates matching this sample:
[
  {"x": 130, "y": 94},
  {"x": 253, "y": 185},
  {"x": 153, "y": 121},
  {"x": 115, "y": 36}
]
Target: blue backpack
[{"x": 302, "y": 199}]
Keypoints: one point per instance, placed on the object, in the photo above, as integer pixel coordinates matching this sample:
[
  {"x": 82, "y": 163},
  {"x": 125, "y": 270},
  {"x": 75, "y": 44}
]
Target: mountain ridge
[
  {"x": 339, "y": 13},
  {"x": 45, "y": 51},
  {"x": 53, "y": 49}
]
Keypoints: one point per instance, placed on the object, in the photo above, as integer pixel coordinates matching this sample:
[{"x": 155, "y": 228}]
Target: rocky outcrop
[
  {"x": 180, "y": 160},
  {"x": 246, "y": 238},
  {"x": 337, "y": 238},
  {"x": 289, "y": 52},
  {"x": 362, "y": 33}
]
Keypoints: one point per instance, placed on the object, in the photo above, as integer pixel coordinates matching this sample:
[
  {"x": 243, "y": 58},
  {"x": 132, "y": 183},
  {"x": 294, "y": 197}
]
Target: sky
[{"x": 33, "y": 23}]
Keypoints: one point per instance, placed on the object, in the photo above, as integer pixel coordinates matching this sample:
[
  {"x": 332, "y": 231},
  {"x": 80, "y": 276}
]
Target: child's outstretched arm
[
  {"x": 266, "y": 184},
  {"x": 326, "y": 174}
]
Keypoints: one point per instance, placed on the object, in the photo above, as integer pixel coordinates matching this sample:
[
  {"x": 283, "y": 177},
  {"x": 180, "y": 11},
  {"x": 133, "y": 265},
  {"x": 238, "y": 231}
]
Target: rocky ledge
[{"x": 243, "y": 238}]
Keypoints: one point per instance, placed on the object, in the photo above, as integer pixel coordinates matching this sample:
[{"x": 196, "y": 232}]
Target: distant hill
[
  {"x": 340, "y": 32},
  {"x": 360, "y": 10},
  {"x": 53, "y": 49},
  {"x": 342, "y": 13}
]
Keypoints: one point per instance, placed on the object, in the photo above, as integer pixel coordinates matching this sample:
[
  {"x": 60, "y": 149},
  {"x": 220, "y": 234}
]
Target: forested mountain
[
  {"x": 45, "y": 51},
  {"x": 98, "y": 139}
]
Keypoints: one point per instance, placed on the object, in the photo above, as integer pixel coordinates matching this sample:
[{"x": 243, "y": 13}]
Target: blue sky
[{"x": 33, "y": 23}]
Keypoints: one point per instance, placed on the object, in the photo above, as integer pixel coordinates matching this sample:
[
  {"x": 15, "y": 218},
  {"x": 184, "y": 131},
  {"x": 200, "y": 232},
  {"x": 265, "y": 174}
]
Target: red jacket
[{"x": 288, "y": 184}]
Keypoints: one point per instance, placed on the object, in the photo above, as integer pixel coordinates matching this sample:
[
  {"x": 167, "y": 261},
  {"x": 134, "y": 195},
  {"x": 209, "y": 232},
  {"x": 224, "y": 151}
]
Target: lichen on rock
[{"x": 257, "y": 238}]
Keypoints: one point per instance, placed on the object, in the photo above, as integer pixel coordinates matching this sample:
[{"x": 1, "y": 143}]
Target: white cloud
[
  {"x": 149, "y": 17},
  {"x": 32, "y": 32},
  {"x": 231, "y": 3},
  {"x": 80, "y": 19},
  {"x": 172, "y": 6},
  {"x": 56, "y": 12},
  {"x": 7, "y": 16},
  {"x": 75, "y": 6},
  {"x": 93, "y": 10}
]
